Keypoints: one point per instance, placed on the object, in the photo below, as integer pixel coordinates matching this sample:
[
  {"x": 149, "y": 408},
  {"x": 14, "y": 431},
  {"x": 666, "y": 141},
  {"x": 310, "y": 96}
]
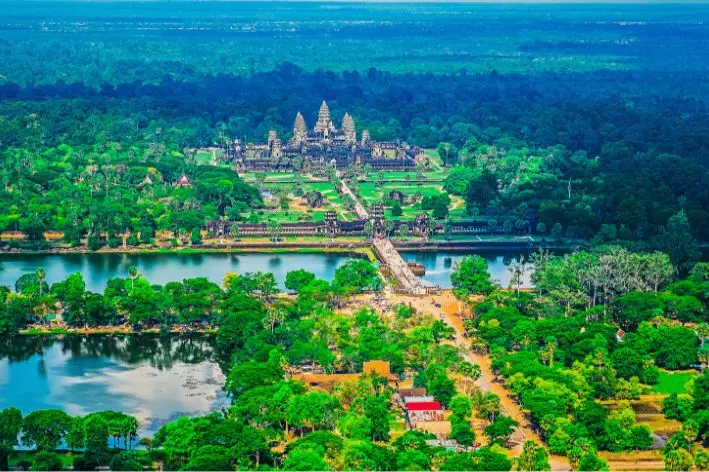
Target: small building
[
  {"x": 422, "y": 412},
  {"x": 183, "y": 181},
  {"x": 328, "y": 381},
  {"x": 619, "y": 335},
  {"x": 412, "y": 392},
  {"x": 146, "y": 181},
  {"x": 418, "y": 399},
  {"x": 448, "y": 444},
  {"x": 441, "y": 429}
]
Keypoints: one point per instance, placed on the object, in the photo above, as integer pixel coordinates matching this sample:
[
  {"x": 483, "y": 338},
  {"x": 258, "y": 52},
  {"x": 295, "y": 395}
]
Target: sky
[{"x": 656, "y": 2}]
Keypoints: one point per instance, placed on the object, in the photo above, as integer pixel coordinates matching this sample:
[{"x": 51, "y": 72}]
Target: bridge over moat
[{"x": 394, "y": 265}]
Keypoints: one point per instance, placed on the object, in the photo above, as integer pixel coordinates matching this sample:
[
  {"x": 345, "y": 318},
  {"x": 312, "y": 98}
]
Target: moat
[
  {"x": 157, "y": 379},
  {"x": 97, "y": 269}
]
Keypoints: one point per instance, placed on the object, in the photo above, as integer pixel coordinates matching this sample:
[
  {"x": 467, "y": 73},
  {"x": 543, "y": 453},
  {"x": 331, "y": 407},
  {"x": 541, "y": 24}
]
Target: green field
[
  {"x": 673, "y": 382},
  {"x": 370, "y": 192}
]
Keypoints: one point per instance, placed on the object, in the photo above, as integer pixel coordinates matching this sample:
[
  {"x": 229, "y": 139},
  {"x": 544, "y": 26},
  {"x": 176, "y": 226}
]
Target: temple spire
[
  {"x": 323, "y": 122},
  {"x": 300, "y": 130},
  {"x": 348, "y": 128}
]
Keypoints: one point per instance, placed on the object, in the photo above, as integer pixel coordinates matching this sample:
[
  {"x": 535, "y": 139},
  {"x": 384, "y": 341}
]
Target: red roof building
[
  {"x": 423, "y": 406},
  {"x": 183, "y": 181}
]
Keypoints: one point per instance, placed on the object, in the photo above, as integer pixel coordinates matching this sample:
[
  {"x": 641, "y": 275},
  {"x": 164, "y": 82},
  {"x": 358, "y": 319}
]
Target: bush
[{"x": 46, "y": 461}]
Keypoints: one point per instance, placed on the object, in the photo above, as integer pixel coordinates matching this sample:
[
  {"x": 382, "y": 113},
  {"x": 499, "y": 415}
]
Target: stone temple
[{"x": 311, "y": 150}]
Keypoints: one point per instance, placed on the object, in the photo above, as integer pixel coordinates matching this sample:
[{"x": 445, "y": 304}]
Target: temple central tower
[{"x": 323, "y": 123}]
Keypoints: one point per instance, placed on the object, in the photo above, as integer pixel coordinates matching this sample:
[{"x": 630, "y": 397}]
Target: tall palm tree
[
  {"x": 41, "y": 275},
  {"x": 133, "y": 273}
]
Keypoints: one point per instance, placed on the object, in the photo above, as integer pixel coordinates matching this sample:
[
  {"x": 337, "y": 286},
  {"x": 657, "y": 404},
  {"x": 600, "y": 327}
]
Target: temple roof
[{"x": 183, "y": 181}]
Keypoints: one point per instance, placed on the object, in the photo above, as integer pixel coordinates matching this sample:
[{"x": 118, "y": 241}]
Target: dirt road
[{"x": 449, "y": 307}]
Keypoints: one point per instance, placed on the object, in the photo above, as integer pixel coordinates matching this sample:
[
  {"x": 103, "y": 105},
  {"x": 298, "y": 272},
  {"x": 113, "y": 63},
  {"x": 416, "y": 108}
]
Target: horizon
[{"x": 479, "y": 2}]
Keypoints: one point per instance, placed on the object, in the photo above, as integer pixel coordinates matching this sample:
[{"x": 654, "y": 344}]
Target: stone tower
[
  {"x": 365, "y": 137},
  {"x": 348, "y": 128},
  {"x": 323, "y": 123},
  {"x": 276, "y": 148},
  {"x": 300, "y": 130}
]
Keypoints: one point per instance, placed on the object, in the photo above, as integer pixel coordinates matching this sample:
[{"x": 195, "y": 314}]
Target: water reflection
[
  {"x": 97, "y": 269},
  {"x": 439, "y": 265},
  {"x": 154, "y": 378}
]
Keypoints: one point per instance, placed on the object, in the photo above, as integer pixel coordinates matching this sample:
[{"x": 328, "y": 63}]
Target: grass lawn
[
  {"x": 205, "y": 156},
  {"x": 270, "y": 176},
  {"x": 673, "y": 382}
]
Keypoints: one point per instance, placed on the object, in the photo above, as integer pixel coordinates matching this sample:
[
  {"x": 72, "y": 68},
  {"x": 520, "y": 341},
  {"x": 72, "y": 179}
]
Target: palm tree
[
  {"x": 548, "y": 350},
  {"x": 274, "y": 316},
  {"x": 41, "y": 275},
  {"x": 133, "y": 273},
  {"x": 703, "y": 357},
  {"x": 703, "y": 332}
]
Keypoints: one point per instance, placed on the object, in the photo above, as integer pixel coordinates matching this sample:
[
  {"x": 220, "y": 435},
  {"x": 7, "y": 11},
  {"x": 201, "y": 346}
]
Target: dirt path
[{"x": 450, "y": 307}]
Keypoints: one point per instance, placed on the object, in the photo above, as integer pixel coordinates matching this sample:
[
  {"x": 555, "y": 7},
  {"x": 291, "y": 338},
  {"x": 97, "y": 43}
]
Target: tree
[
  {"x": 297, "y": 279},
  {"x": 676, "y": 347},
  {"x": 97, "y": 434},
  {"x": 234, "y": 231},
  {"x": 396, "y": 209},
  {"x": 461, "y": 431},
  {"x": 440, "y": 209},
  {"x": 461, "y": 406},
  {"x": 413, "y": 460},
  {"x": 354, "y": 276},
  {"x": 376, "y": 408},
  {"x": 678, "y": 460},
  {"x": 470, "y": 276},
  {"x": 501, "y": 429},
  {"x": 129, "y": 461},
  {"x": 303, "y": 459},
  {"x": 532, "y": 458},
  {"x": 678, "y": 407},
  {"x": 369, "y": 229},
  {"x": 195, "y": 236},
  {"x": 10, "y": 425},
  {"x": 403, "y": 231},
  {"x": 134, "y": 274},
  {"x": 207, "y": 457},
  {"x": 41, "y": 275},
  {"x": 44, "y": 429},
  {"x": 76, "y": 438},
  {"x": 678, "y": 242},
  {"x": 274, "y": 230},
  {"x": 517, "y": 271},
  {"x": 448, "y": 153}
]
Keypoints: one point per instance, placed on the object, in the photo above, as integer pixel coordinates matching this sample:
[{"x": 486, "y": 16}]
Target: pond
[{"x": 154, "y": 378}]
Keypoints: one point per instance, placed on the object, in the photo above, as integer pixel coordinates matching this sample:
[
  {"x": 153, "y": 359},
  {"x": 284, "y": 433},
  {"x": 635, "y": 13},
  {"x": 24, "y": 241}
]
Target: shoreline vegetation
[{"x": 353, "y": 246}]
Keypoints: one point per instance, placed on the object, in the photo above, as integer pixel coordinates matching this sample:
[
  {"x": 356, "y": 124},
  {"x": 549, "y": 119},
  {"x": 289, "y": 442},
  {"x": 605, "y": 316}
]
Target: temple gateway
[{"x": 310, "y": 150}]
